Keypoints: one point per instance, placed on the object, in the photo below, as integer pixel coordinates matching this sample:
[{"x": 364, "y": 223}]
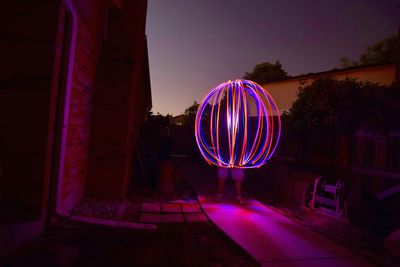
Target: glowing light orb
[{"x": 237, "y": 125}]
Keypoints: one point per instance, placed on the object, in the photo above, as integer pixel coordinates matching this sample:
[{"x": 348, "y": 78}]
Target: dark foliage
[
  {"x": 344, "y": 106},
  {"x": 190, "y": 114},
  {"x": 384, "y": 51},
  {"x": 266, "y": 72}
]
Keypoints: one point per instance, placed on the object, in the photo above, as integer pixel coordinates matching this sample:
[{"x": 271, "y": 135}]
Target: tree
[
  {"x": 346, "y": 62},
  {"x": 185, "y": 137},
  {"x": 326, "y": 104},
  {"x": 159, "y": 120},
  {"x": 266, "y": 72},
  {"x": 344, "y": 106},
  {"x": 381, "y": 52},
  {"x": 192, "y": 110},
  {"x": 384, "y": 51},
  {"x": 190, "y": 113}
]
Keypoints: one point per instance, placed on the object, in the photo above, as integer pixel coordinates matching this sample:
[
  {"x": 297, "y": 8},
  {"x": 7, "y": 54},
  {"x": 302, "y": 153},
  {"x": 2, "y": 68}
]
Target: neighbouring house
[
  {"x": 285, "y": 91},
  {"x": 74, "y": 93}
]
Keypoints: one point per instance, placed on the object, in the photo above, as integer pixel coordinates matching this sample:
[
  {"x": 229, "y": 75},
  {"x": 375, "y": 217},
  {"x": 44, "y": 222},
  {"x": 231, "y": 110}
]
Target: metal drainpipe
[
  {"x": 398, "y": 59},
  {"x": 70, "y": 7},
  {"x": 1, "y": 180}
]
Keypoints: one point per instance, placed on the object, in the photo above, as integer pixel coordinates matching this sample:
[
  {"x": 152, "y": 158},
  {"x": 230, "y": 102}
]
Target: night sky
[{"x": 196, "y": 44}]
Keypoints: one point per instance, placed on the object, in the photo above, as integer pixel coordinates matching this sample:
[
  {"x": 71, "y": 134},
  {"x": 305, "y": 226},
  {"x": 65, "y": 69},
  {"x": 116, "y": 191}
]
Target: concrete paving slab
[
  {"x": 114, "y": 223},
  {"x": 172, "y": 218},
  {"x": 195, "y": 217},
  {"x": 183, "y": 201},
  {"x": 270, "y": 236},
  {"x": 151, "y": 207},
  {"x": 150, "y": 218},
  {"x": 171, "y": 208},
  {"x": 187, "y": 208}
]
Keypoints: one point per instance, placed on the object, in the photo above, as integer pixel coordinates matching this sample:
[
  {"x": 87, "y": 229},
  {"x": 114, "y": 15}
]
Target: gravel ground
[
  {"x": 108, "y": 208},
  {"x": 97, "y": 207}
]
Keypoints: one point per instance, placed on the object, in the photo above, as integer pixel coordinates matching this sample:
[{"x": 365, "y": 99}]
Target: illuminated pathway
[{"x": 271, "y": 238}]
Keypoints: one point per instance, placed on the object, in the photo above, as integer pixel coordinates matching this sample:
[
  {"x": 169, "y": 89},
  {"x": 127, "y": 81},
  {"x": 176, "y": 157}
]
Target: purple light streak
[{"x": 236, "y": 139}]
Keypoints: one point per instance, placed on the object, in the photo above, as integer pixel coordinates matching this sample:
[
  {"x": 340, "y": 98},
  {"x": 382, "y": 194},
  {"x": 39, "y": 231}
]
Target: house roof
[{"x": 332, "y": 72}]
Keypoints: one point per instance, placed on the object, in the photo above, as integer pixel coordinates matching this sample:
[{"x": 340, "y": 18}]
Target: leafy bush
[{"x": 344, "y": 106}]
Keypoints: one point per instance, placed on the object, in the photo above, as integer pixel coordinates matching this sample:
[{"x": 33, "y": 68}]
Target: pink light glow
[{"x": 226, "y": 132}]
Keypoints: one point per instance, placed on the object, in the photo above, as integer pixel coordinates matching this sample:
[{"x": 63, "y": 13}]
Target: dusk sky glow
[{"x": 195, "y": 45}]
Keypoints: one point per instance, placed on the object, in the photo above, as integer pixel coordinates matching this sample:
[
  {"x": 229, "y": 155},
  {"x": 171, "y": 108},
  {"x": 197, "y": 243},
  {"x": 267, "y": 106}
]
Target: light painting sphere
[{"x": 237, "y": 125}]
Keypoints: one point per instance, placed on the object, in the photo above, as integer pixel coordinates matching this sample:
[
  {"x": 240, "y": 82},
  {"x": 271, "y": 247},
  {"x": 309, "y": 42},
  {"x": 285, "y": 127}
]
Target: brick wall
[
  {"x": 91, "y": 15},
  {"x": 120, "y": 101},
  {"x": 32, "y": 69}
]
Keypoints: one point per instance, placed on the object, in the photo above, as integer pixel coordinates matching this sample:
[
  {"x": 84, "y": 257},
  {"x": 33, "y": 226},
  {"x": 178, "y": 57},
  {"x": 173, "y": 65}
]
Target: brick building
[{"x": 74, "y": 93}]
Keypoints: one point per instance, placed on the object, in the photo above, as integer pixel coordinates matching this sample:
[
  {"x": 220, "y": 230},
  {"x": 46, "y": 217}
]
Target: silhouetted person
[{"x": 237, "y": 175}]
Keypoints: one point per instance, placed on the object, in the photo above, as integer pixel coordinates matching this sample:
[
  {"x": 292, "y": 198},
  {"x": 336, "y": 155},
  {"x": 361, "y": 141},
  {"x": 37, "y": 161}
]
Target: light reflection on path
[{"x": 271, "y": 238}]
